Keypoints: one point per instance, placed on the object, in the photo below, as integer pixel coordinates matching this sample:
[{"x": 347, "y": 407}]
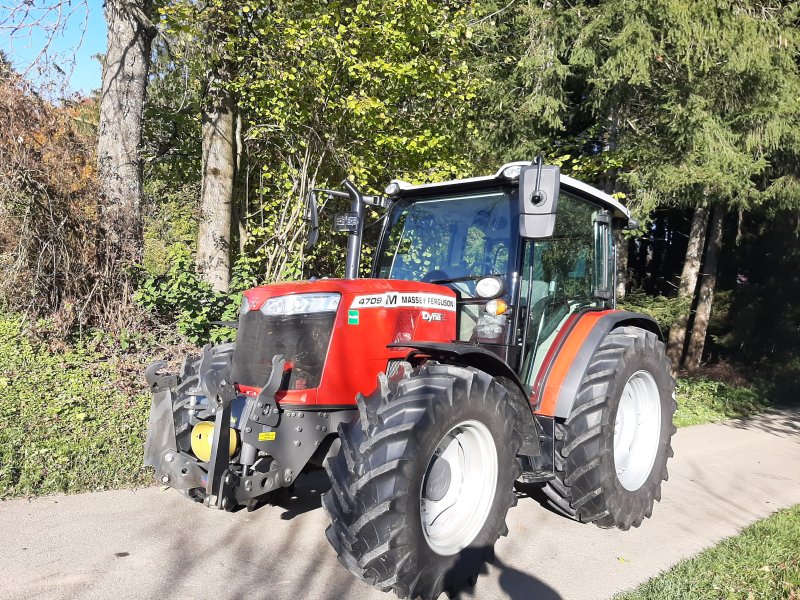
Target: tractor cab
[{"x": 523, "y": 250}]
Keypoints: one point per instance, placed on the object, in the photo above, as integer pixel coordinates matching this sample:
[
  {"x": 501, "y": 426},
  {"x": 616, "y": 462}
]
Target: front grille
[{"x": 302, "y": 339}]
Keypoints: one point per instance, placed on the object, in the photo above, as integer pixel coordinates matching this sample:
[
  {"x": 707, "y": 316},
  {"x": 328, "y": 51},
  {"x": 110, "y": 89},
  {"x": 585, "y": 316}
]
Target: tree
[
  {"x": 119, "y": 136},
  {"x": 688, "y": 284},
  {"x": 218, "y": 176},
  {"x": 367, "y": 90},
  {"x": 695, "y": 120},
  {"x": 705, "y": 294}
]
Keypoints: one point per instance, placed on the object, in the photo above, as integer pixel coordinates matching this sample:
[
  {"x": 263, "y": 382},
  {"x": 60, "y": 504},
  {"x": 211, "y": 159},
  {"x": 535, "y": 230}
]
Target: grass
[
  {"x": 762, "y": 562},
  {"x": 71, "y": 420},
  {"x": 701, "y": 400}
]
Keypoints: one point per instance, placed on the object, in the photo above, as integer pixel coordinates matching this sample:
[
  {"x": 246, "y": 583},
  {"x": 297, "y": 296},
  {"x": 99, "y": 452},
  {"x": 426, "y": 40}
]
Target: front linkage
[{"x": 255, "y": 446}]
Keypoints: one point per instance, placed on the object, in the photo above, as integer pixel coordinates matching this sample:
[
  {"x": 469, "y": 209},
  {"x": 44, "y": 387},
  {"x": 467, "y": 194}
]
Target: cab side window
[{"x": 563, "y": 274}]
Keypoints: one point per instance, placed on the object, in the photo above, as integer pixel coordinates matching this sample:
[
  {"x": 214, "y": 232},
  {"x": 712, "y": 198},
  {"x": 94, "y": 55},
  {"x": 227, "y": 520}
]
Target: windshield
[
  {"x": 454, "y": 240},
  {"x": 449, "y": 238}
]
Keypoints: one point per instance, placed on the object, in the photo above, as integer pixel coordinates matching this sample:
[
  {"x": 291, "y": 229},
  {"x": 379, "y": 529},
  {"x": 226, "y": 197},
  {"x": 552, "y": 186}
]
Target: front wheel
[
  {"x": 423, "y": 481},
  {"x": 611, "y": 452}
]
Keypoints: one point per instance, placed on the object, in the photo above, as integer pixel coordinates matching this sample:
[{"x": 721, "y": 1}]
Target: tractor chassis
[{"x": 276, "y": 442}]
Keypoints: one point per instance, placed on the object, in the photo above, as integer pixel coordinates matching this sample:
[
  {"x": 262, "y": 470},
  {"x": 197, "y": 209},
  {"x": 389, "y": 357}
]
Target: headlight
[
  {"x": 245, "y": 308},
  {"x": 489, "y": 287},
  {"x": 298, "y": 304}
]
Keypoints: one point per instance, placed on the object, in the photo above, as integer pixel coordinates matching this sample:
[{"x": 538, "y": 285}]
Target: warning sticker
[
  {"x": 266, "y": 436},
  {"x": 404, "y": 299}
]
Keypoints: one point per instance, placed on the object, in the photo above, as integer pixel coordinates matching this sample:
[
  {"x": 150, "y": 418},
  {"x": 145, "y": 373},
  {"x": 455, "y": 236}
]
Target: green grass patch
[
  {"x": 71, "y": 420},
  {"x": 702, "y": 400},
  {"x": 761, "y": 562}
]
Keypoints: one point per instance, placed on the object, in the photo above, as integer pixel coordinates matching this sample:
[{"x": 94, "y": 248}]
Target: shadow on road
[
  {"x": 516, "y": 584},
  {"x": 535, "y": 492},
  {"x": 519, "y": 585},
  {"x": 304, "y": 496},
  {"x": 783, "y": 423}
]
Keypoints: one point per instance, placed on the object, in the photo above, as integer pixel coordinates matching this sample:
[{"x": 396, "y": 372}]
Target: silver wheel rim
[
  {"x": 459, "y": 487},
  {"x": 637, "y": 430}
]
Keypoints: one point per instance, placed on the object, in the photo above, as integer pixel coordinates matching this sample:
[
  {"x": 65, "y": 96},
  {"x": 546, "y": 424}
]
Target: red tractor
[{"x": 485, "y": 349}]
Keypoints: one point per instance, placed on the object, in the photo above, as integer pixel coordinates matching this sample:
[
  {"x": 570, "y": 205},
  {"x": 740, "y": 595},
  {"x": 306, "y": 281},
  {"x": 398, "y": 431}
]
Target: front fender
[{"x": 469, "y": 355}]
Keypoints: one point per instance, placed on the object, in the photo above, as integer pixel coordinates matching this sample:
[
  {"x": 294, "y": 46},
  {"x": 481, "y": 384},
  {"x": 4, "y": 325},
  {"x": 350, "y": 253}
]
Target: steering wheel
[{"x": 435, "y": 275}]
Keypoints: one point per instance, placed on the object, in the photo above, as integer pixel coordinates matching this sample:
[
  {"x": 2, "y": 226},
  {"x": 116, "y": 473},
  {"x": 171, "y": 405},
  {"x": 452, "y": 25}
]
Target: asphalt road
[{"x": 153, "y": 543}]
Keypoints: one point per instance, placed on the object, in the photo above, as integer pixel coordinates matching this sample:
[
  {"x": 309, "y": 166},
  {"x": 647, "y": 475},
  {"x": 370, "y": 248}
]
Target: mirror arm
[
  {"x": 353, "y": 258},
  {"x": 313, "y": 219}
]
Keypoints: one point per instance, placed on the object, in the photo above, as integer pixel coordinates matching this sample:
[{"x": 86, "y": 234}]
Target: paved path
[{"x": 152, "y": 543}]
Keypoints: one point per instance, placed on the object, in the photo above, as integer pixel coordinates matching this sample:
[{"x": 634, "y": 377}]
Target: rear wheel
[
  {"x": 611, "y": 452},
  {"x": 423, "y": 481}
]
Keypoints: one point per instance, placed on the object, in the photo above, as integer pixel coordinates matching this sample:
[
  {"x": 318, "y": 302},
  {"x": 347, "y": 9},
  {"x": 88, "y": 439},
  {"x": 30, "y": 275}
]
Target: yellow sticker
[{"x": 266, "y": 436}]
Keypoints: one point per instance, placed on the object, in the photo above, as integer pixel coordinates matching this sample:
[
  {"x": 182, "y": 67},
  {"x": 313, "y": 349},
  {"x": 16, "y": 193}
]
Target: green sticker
[{"x": 352, "y": 317}]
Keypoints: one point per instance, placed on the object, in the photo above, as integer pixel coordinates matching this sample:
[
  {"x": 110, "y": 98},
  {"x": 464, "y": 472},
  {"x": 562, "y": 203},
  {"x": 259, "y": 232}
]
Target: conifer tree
[{"x": 700, "y": 99}]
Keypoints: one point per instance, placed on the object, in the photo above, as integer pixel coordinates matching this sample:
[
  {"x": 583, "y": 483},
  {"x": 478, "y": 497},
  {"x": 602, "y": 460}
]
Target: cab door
[{"x": 571, "y": 271}]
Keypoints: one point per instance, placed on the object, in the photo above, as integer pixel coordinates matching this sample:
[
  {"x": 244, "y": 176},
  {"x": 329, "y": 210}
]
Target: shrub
[
  {"x": 180, "y": 296},
  {"x": 663, "y": 309},
  {"x": 70, "y": 420}
]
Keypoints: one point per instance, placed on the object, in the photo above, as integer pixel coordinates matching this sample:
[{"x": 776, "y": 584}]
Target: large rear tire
[
  {"x": 611, "y": 452},
  {"x": 423, "y": 480}
]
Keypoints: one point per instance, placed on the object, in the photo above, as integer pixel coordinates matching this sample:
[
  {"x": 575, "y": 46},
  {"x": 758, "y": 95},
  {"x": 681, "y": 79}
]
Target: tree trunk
[
  {"x": 622, "y": 266},
  {"x": 697, "y": 340},
  {"x": 688, "y": 285},
  {"x": 119, "y": 134},
  {"x": 216, "y": 194}
]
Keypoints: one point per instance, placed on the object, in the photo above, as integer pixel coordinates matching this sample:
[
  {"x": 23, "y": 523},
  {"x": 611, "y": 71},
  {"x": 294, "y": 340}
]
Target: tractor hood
[{"x": 333, "y": 334}]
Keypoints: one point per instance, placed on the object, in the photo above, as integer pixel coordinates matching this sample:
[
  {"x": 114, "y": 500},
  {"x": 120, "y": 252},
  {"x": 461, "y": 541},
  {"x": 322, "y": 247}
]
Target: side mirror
[{"x": 539, "y": 187}]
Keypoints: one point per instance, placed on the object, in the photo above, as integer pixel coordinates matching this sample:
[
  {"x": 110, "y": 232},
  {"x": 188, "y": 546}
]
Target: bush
[
  {"x": 70, "y": 420},
  {"x": 181, "y": 297},
  {"x": 663, "y": 309},
  {"x": 702, "y": 400}
]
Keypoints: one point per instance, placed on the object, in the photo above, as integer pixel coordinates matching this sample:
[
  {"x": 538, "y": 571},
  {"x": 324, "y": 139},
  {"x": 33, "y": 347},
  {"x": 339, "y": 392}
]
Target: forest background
[{"x": 131, "y": 218}]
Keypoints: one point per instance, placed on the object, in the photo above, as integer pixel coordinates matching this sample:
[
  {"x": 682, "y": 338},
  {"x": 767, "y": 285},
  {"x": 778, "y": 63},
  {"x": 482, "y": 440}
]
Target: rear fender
[
  {"x": 555, "y": 395},
  {"x": 479, "y": 358}
]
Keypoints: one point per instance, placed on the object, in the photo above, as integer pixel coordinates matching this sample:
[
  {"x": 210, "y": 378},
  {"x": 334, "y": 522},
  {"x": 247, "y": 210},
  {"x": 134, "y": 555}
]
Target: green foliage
[
  {"x": 170, "y": 218},
  {"x": 702, "y": 400},
  {"x": 181, "y": 296},
  {"x": 663, "y": 309},
  {"x": 70, "y": 420},
  {"x": 657, "y": 96},
  {"x": 761, "y": 562},
  {"x": 365, "y": 89}
]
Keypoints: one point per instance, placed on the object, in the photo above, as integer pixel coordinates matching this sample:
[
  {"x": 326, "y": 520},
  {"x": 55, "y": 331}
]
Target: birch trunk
[
  {"x": 216, "y": 193},
  {"x": 119, "y": 135},
  {"x": 688, "y": 284},
  {"x": 697, "y": 340}
]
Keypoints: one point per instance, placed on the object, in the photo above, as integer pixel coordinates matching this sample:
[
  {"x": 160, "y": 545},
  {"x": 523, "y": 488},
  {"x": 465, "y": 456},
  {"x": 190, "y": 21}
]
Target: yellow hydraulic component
[{"x": 203, "y": 435}]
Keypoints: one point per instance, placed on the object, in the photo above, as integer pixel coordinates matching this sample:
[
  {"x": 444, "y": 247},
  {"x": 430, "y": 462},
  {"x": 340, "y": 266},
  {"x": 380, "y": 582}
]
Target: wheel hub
[
  {"x": 637, "y": 430},
  {"x": 459, "y": 487},
  {"x": 438, "y": 479}
]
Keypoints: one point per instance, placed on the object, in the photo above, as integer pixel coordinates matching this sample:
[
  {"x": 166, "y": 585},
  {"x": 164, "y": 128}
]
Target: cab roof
[{"x": 568, "y": 183}]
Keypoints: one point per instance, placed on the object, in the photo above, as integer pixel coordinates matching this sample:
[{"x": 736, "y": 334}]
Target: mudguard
[
  {"x": 469, "y": 355},
  {"x": 560, "y": 376}
]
